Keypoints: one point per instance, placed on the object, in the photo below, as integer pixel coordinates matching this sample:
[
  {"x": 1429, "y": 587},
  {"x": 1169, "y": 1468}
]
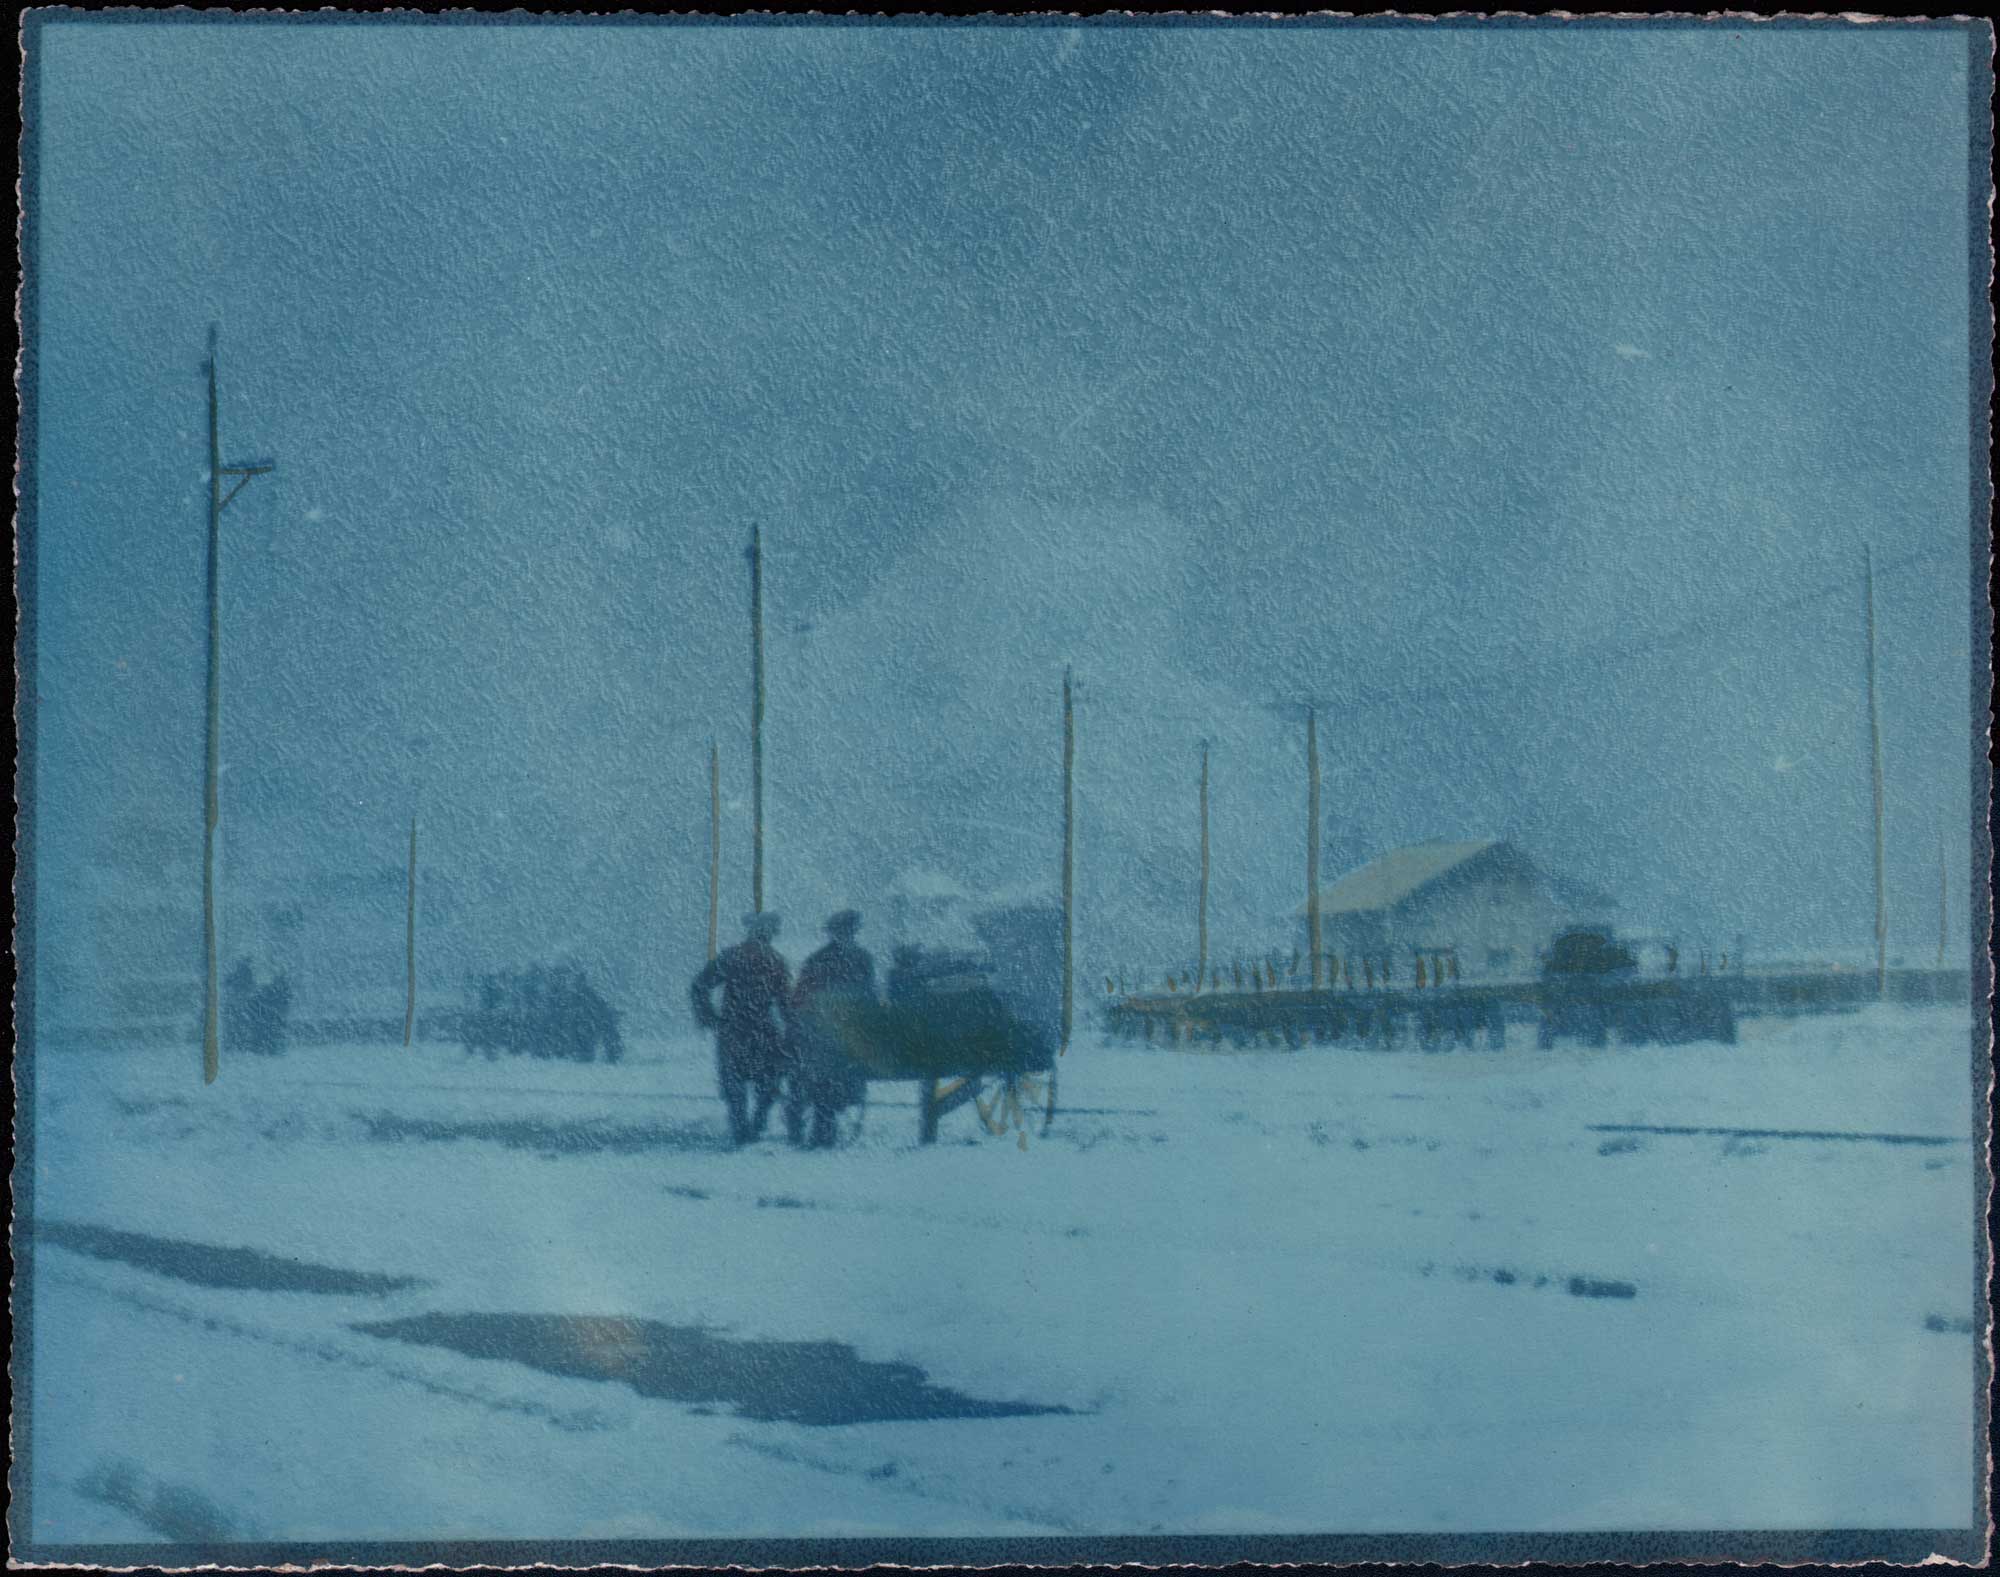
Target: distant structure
[
  {"x": 121, "y": 954},
  {"x": 1485, "y": 900},
  {"x": 1021, "y": 939},
  {"x": 124, "y": 958}
]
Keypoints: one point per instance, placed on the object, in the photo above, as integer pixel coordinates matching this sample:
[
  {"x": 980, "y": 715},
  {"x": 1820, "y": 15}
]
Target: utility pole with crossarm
[{"x": 211, "y": 777}]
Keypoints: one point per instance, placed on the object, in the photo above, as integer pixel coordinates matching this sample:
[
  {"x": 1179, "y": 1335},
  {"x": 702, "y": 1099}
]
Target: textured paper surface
[{"x": 1258, "y": 528}]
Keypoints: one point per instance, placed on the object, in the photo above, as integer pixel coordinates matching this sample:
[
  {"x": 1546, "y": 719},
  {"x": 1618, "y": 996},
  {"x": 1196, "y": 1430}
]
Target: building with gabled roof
[{"x": 1483, "y": 900}]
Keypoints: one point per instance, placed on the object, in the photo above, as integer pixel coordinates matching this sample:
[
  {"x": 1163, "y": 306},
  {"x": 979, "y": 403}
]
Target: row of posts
[{"x": 1428, "y": 968}]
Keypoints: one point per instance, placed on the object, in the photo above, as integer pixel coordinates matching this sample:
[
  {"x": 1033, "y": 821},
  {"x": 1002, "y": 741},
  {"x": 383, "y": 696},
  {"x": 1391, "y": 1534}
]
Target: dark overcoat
[{"x": 750, "y": 1026}]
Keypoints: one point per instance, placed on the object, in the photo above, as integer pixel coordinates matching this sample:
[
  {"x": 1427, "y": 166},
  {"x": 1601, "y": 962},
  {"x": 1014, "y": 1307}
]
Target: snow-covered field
[{"x": 1325, "y": 1291}]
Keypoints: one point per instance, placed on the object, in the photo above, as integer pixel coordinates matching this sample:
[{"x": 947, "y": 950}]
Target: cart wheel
[
  {"x": 1026, "y": 1101},
  {"x": 847, "y": 1125}
]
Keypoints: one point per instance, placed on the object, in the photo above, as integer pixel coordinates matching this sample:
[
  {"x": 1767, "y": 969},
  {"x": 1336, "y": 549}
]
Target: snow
[{"x": 1318, "y": 1291}]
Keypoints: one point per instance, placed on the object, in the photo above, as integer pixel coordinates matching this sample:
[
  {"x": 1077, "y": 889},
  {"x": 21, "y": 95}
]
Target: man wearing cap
[
  {"x": 824, "y": 1076},
  {"x": 750, "y": 1030}
]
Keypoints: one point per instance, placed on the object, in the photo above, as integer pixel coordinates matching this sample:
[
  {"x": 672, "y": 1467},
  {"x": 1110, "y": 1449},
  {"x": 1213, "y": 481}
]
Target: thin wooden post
[
  {"x": 1068, "y": 854},
  {"x": 1944, "y": 907},
  {"x": 1312, "y": 840},
  {"x": 756, "y": 718},
  {"x": 1201, "y": 926},
  {"x": 714, "y": 844},
  {"x": 1875, "y": 765},
  {"x": 410, "y": 940}
]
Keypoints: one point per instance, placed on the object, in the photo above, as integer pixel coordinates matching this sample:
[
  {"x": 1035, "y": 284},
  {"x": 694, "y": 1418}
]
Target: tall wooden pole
[
  {"x": 211, "y": 1055},
  {"x": 1201, "y": 924},
  {"x": 1875, "y": 768},
  {"x": 1068, "y": 856},
  {"x": 218, "y": 501},
  {"x": 714, "y": 844},
  {"x": 1312, "y": 840},
  {"x": 1944, "y": 907},
  {"x": 410, "y": 939},
  {"x": 757, "y": 719}
]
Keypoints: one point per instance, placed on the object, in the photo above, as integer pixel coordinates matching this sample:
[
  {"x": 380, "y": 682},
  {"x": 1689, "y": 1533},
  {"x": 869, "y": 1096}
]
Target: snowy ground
[{"x": 1324, "y": 1291}]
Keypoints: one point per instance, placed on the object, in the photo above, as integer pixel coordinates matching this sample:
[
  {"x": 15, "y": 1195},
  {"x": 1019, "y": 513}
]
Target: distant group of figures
[
  {"x": 542, "y": 1012},
  {"x": 253, "y": 1011},
  {"x": 778, "y": 1041}
]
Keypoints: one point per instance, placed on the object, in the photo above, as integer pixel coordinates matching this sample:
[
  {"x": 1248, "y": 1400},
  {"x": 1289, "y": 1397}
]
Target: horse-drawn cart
[
  {"x": 980, "y": 1030},
  {"x": 959, "y": 1046}
]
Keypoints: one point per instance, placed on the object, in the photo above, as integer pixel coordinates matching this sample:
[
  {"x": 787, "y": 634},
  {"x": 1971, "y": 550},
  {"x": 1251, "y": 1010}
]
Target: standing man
[
  {"x": 750, "y": 1029},
  {"x": 823, "y": 1074}
]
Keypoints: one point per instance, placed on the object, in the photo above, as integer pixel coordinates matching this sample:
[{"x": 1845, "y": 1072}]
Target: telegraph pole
[
  {"x": 410, "y": 939},
  {"x": 1875, "y": 765},
  {"x": 211, "y": 1058},
  {"x": 757, "y": 719},
  {"x": 1068, "y": 854},
  {"x": 1944, "y": 906},
  {"x": 1201, "y": 923},
  {"x": 1312, "y": 840}
]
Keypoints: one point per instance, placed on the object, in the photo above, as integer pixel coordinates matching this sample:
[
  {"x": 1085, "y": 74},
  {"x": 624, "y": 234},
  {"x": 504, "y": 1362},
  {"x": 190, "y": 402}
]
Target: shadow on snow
[
  {"x": 208, "y": 1266},
  {"x": 819, "y": 1383}
]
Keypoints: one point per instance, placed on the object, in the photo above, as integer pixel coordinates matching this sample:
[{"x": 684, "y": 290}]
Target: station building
[{"x": 1484, "y": 901}]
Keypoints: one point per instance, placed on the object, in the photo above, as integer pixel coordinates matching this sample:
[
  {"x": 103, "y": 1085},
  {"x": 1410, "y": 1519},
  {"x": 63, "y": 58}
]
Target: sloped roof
[{"x": 1394, "y": 876}]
